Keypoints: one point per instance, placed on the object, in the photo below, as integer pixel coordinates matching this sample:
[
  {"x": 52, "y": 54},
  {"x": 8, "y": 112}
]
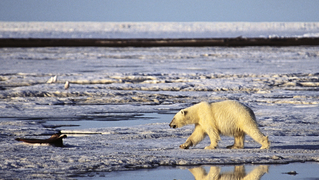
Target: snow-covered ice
[
  {"x": 157, "y": 29},
  {"x": 114, "y": 87}
]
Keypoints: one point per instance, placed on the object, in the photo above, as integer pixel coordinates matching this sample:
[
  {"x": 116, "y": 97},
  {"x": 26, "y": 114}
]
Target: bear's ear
[{"x": 184, "y": 112}]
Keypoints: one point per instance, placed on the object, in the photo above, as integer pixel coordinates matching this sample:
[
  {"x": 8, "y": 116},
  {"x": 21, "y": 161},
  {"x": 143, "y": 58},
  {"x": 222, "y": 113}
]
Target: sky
[{"x": 160, "y": 10}]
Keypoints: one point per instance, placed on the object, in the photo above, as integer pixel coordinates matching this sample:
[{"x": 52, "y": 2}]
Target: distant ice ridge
[{"x": 157, "y": 29}]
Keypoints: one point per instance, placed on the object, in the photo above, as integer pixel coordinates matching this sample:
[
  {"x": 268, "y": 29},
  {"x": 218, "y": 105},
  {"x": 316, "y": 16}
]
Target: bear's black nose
[{"x": 172, "y": 126}]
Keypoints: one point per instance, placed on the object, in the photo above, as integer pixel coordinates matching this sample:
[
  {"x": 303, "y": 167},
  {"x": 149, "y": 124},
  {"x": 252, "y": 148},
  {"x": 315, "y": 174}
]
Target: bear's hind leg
[
  {"x": 238, "y": 142},
  {"x": 259, "y": 137}
]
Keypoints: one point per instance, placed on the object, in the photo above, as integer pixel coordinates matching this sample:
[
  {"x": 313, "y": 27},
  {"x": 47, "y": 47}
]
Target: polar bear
[{"x": 230, "y": 118}]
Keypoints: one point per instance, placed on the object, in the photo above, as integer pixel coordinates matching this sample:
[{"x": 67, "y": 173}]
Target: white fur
[{"x": 229, "y": 118}]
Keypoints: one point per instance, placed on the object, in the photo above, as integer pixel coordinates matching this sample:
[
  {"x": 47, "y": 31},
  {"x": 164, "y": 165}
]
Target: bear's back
[{"x": 232, "y": 112}]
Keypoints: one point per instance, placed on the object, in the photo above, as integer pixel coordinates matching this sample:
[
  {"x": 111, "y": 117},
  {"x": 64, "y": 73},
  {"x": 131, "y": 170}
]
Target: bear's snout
[{"x": 172, "y": 125}]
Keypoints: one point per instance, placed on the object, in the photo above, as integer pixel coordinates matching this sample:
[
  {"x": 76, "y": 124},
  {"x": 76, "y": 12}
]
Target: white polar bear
[{"x": 229, "y": 118}]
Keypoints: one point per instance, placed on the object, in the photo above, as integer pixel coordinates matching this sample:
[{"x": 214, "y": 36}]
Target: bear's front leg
[
  {"x": 197, "y": 136},
  {"x": 214, "y": 138}
]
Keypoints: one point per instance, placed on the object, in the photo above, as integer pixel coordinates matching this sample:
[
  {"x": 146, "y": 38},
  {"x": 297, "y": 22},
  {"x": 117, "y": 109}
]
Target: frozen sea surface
[
  {"x": 148, "y": 86},
  {"x": 157, "y": 29}
]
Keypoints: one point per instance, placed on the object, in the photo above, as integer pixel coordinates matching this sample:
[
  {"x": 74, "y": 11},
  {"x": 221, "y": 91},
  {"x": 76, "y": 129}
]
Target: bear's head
[{"x": 180, "y": 119}]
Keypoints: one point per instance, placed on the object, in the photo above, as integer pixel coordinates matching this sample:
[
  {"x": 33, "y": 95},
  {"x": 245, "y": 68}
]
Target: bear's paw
[
  {"x": 210, "y": 147},
  {"x": 235, "y": 147},
  {"x": 183, "y": 146}
]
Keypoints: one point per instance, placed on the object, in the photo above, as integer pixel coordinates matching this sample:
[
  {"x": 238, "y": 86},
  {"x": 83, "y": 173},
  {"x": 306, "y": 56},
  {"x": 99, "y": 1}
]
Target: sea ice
[{"x": 127, "y": 84}]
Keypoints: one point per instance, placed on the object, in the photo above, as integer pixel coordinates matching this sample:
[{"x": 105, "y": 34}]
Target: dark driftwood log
[{"x": 55, "y": 140}]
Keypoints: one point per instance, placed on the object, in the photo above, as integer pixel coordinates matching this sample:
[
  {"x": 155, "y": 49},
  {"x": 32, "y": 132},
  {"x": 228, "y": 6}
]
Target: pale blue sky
[{"x": 161, "y": 10}]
